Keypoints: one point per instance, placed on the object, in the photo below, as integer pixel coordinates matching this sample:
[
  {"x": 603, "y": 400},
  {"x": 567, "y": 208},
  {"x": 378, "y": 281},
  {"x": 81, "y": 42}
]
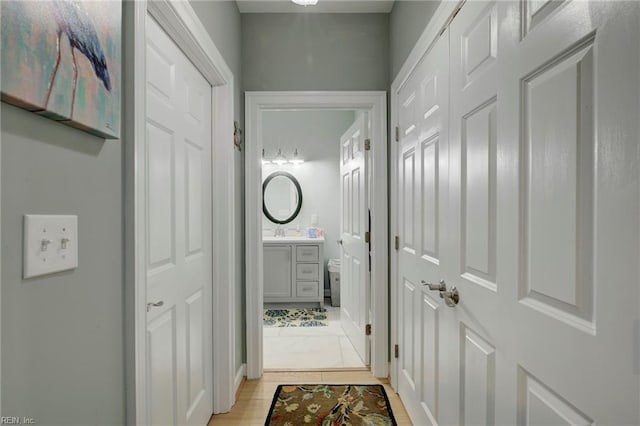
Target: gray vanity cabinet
[
  {"x": 277, "y": 280},
  {"x": 293, "y": 272}
]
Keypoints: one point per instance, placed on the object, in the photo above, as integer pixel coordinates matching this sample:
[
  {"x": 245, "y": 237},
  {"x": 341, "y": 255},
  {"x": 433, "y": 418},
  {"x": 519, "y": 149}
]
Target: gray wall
[
  {"x": 315, "y": 51},
  {"x": 62, "y": 334},
  {"x": 408, "y": 20},
  {"x": 222, "y": 20},
  {"x": 316, "y": 134}
]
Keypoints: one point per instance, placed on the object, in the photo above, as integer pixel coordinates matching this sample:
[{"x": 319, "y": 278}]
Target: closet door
[
  {"x": 538, "y": 223},
  {"x": 177, "y": 189},
  {"x": 571, "y": 125},
  {"x": 477, "y": 345},
  {"x": 545, "y": 212},
  {"x": 422, "y": 156}
]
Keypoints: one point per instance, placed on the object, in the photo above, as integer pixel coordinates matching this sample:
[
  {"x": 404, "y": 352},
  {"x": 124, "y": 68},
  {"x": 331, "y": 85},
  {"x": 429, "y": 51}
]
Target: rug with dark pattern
[
  {"x": 295, "y": 317},
  {"x": 330, "y": 405}
]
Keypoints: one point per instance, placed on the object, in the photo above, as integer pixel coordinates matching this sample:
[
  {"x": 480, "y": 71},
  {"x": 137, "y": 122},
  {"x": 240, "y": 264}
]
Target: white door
[
  {"x": 480, "y": 341},
  {"x": 422, "y": 155},
  {"x": 179, "y": 263},
  {"x": 354, "y": 223},
  {"x": 543, "y": 236}
]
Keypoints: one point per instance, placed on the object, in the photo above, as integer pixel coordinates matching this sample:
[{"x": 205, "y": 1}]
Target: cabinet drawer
[
  {"x": 307, "y": 289},
  {"x": 307, "y": 253},
  {"x": 307, "y": 271}
]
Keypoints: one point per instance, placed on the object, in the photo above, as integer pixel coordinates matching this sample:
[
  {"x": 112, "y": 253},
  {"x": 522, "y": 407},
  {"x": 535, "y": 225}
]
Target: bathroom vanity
[{"x": 293, "y": 269}]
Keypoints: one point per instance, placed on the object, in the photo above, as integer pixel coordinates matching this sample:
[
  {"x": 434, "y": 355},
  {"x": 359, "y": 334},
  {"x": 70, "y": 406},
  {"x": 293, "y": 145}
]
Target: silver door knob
[
  {"x": 441, "y": 286},
  {"x": 451, "y": 298},
  {"x": 154, "y": 305},
  {"x": 339, "y": 241}
]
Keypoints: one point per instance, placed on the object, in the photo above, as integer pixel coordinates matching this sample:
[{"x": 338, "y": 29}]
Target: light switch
[{"x": 50, "y": 244}]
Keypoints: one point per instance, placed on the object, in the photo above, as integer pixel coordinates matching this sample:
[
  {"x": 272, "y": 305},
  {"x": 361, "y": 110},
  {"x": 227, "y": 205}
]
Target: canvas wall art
[{"x": 62, "y": 59}]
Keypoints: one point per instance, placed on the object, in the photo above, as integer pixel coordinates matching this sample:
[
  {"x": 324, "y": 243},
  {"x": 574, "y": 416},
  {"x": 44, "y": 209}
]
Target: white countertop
[{"x": 291, "y": 239}]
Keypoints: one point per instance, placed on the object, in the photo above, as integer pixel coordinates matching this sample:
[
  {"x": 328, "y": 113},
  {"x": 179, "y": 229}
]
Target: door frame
[
  {"x": 180, "y": 22},
  {"x": 1, "y": 266},
  {"x": 375, "y": 102},
  {"x": 443, "y": 15}
]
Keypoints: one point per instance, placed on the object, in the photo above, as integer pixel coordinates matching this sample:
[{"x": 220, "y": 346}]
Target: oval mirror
[{"x": 281, "y": 197}]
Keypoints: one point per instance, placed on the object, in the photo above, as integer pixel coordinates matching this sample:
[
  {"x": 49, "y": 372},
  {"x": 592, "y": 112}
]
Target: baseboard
[{"x": 240, "y": 375}]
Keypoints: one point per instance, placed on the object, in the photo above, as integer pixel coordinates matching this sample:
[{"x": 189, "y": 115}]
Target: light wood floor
[{"x": 254, "y": 396}]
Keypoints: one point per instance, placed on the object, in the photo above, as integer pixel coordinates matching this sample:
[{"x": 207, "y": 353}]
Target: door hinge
[
  {"x": 367, "y": 330},
  {"x": 367, "y": 237},
  {"x": 397, "y": 242},
  {"x": 396, "y": 351},
  {"x": 397, "y": 133},
  {"x": 367, "y": 144}
]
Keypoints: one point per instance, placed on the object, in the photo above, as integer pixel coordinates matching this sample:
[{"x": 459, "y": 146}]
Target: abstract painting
[{"x": 62, "y": 59}]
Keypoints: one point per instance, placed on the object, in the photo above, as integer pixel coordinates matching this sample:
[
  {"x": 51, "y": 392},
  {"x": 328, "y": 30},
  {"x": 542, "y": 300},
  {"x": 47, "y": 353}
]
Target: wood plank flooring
[{"x": 254, "y": 396}]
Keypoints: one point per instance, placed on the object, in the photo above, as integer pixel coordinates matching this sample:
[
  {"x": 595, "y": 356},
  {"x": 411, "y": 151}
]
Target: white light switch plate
[{"x": 50, "y": 244}]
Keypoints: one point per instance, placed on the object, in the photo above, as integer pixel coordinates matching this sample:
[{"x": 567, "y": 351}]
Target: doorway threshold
[{"x": 314, "y": 370}]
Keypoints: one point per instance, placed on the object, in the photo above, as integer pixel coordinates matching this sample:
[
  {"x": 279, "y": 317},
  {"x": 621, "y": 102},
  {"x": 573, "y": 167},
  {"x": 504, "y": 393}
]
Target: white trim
[
  {"x": 224, "y": 243},
  {"x": 242, "y": 371},
  {"x": 375, "y": 103},
  {"x": 0, "y": 269},
  {"x": 180, "y": 22},
  {"x": 443, "y": 14},
  {"x": 440, "y": 18}
]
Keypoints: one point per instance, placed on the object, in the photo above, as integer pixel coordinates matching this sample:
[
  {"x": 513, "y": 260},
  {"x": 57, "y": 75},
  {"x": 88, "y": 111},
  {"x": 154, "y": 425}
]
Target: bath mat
[
  {"x": 295, "y": 317},
  {"x": 330, "y": 405}
]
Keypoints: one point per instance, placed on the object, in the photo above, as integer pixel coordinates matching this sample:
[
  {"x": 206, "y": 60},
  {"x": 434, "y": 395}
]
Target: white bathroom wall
[{"x": 316, "y": 134}]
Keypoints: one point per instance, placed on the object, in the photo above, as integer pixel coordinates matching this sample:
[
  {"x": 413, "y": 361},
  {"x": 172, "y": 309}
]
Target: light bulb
[
  {"x": 295, "y": 160},
  {"x": 279, "y": 160},
  {"x": 264, "y": 160}
]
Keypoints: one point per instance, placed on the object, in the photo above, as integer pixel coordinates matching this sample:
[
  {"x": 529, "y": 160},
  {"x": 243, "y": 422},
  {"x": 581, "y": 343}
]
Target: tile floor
[{"x": 299, "y": 348}]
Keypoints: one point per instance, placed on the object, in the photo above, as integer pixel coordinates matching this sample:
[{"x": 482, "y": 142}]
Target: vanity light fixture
[
  {"x": 296, "y": 160},
  {"x": 305, "y": 3},
  {"x": 280, "y": 159}
]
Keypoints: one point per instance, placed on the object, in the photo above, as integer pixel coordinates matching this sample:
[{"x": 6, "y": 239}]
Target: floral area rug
[
  {"x": 330, "y": 405},
  {"x": 295, "y": 317}
]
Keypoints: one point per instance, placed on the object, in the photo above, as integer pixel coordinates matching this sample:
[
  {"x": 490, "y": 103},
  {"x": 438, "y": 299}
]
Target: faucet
[{"x": 279, "y": 232}]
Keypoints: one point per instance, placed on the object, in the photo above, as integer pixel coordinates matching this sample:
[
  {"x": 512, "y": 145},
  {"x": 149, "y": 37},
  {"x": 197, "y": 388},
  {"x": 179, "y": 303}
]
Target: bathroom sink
[{"x": 290, "y": 239}]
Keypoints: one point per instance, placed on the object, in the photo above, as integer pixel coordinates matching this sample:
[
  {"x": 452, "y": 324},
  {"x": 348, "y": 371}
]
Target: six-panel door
[
  {"x": 542, "y": 231},
  {"x": 422, "y": 199},
  {"x": 354, "y": 270},
  {"x": 178, "y": 246}
]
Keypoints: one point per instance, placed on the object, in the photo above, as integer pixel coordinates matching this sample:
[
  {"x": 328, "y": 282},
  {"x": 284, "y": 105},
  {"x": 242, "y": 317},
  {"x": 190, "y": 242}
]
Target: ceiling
[{"x": 323, "y": 6}]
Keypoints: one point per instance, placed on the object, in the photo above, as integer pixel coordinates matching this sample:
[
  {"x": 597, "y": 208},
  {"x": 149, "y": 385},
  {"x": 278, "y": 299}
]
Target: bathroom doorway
[
  {"x": 299, "y": 145},
  {"x": 307, "y": 214}
]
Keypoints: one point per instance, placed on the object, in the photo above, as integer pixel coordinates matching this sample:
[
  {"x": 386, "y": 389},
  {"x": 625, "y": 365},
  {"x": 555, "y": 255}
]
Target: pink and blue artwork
[{"x": 62, "y": 59}]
